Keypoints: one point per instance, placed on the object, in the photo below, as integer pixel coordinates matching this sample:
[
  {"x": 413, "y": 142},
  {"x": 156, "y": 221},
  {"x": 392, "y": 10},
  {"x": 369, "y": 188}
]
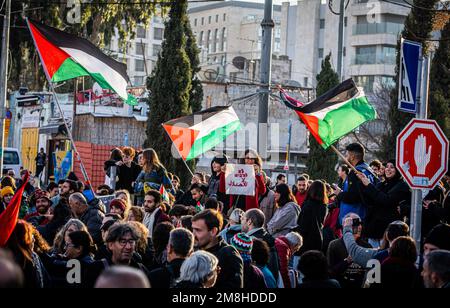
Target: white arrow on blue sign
[{"x": 409, "y": 81}]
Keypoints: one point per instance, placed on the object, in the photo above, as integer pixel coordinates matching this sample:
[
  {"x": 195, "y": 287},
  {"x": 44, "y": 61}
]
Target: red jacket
[
  {"x": 250, "y": 202},
  {"x": 284, "y": 255},
  {"x": 300, "y": 198}
]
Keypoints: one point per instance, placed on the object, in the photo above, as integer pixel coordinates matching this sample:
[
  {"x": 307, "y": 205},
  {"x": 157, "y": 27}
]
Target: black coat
[
  {"x": 93, "y": 219},
  {"x": 310, "y": 225},
  {"x": 127, "y": 176},
  {"x": 320, "y": 284},
  {"x": 231, "y": 264},
  {"x": 165, "y": 277},
  {"x": 384, "y": 199}
]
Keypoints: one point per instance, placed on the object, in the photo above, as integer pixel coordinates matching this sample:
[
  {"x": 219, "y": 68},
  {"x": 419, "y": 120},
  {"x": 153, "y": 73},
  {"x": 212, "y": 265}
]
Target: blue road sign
[{"x": 409, "y": 81}]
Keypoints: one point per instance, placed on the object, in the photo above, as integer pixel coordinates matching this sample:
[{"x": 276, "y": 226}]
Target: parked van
[{"x": 11, "y": 160}]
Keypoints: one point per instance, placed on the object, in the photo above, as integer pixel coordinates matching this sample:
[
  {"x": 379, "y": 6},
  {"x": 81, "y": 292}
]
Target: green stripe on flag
[
  {"x": 341, "y": 121},
  {"x": 69, "y": 70},
  {"x": 209, "y": 141}
]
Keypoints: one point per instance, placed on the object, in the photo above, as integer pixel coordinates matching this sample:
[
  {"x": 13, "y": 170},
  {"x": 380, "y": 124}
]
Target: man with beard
[
  {"x": 207, "y": 225},
  {"x": 436, "y": 269},
  {"x": 67, "y": 188},
  {"x": 302, "y": 188},
  {"x": 153, "y": 213},
  {"x": 41, "y": 201}
]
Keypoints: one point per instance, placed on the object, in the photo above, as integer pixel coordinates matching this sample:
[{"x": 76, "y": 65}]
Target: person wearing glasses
[
  {"x": 121, "y": 242},
  {"x": 246, "y": 203}
]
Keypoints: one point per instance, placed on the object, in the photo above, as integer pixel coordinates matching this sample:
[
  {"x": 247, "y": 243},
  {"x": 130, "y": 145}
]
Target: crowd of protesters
[{"x": 312, "y": 235}]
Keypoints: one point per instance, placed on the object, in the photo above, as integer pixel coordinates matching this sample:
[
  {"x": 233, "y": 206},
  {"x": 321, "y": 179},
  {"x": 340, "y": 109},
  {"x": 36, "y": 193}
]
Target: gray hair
[
  {"x": 294, "y": 239},
  {"x": 119, "y": 230},
  {"x": 198, "y": 267},
  {"x": 182, "y": 242},
  {"x": 78, "y": 197},
  {"x": 439, "y": 263},
  {"x": 256, "y": 216},
  {"x": 59, "y": 238}
]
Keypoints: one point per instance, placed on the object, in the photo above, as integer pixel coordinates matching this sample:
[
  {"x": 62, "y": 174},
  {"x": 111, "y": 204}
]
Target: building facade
[
  {"x": 141, "y": 53},
  {"x": 229, "y": 35},
  {"x": 310, "y": 33}
]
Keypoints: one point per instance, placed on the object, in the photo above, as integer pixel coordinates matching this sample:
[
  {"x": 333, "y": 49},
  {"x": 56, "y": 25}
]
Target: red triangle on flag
[{"x": 183, "y": 138}]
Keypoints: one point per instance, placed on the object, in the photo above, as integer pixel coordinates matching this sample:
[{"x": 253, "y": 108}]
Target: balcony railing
[
  {"x": 378, "y": 28},
  {"x": 373, "y": 59}
]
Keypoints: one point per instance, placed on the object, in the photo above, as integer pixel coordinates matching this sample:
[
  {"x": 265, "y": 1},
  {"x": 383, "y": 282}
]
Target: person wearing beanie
[
  {"x": 217, "y": 172},
  {"x": 383, "y": 199},
  {"x": 253, "y": 276},
  {"x": 234, "y": 225},
  {"x": 6, "y": 193},
  {"x": 40, "y": 200},
  {"x": 437, "y": 238},
  {"x": 118, "y": 206}
]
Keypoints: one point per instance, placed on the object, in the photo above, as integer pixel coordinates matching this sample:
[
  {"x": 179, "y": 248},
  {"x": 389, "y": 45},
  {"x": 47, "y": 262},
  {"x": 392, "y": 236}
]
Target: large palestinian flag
[
  {"x": 195, "y": 134},
  {"x": 65, "y": 56},
  {"x": 335, "y": 113}
]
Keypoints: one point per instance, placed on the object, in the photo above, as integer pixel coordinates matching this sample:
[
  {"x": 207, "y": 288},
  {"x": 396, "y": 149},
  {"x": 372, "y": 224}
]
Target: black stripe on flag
[{"x": 339, "y": 94}]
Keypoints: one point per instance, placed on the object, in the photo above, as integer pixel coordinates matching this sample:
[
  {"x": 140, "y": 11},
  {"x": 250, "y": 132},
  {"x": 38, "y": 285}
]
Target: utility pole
[
  {"x": 266, "y": 70},
  {"x": 4, "y": 78},
  {"x": 341, "y": 40},
  {"x": 416, "y": 202}
]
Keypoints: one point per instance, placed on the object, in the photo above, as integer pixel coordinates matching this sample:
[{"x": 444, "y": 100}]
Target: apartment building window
[
  {"x": 200, "y": 38},
  {"x": 322, "y": 24},
  {"x": 345, "y": 21},
  {"x": 195, "y": 22},
  {"x": 209, "y": 19},
  {"x": 365, "y": 55},
  {"x": 224, "y": 39},
  {"x": 156, "y": 50},
  {"x": 210, "y": 41},
  {"x": 320, "y": 53},
  {"x": 366, "y": 82},
  {"x": 217, "y": 40},
  {"x": 217, "y": 18},
  {"x": 158, "y": 34},
  {"x": 141, "y": 32},
  {"x": 305, "y": 81},
  {"x": 222, "y": 61},
  {"x": 278, "y": 33},
  {"x": 140, "y": 49},
  {"x": 277, "y": 46},
  {"x": 224, "y": 17},
  {"x": 203, "y": 21},
  {"x": 139, "y": 81},
  {"x": 139, "y": 65}
]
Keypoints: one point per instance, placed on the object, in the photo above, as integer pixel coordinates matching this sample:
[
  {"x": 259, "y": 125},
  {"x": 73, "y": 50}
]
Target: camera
[{"x": 356, "y": 222}]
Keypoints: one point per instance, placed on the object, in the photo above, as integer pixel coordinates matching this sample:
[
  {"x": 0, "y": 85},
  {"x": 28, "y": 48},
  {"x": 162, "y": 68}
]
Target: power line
[{"x": 425, "y": 9}]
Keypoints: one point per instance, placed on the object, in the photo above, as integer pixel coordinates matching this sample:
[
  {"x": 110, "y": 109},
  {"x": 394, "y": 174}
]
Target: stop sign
[{"x": 422, "y": 154}]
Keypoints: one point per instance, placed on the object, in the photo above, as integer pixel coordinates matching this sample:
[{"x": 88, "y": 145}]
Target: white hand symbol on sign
[{"x": 421, "y": 156}]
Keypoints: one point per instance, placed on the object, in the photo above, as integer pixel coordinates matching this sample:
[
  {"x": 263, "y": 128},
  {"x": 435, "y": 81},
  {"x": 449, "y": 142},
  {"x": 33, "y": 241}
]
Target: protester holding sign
[{"x": 246, "y": 202}]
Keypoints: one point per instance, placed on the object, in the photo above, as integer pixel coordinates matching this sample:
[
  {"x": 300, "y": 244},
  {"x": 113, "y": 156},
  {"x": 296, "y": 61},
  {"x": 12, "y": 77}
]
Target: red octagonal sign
[{"x": 422, "y": 153}]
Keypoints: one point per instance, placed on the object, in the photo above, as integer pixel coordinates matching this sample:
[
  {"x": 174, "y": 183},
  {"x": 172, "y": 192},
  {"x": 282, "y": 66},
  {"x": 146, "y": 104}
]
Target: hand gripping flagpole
[{"x": 344, "y": 159}]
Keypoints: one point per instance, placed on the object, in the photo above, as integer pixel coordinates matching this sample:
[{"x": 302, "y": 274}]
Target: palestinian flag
[
  {"x": 335, "y": 113},
  {"x": 65, "y": 56},
  {"x": 164, "y": 194},
  {"x": 195, "y": 134}
]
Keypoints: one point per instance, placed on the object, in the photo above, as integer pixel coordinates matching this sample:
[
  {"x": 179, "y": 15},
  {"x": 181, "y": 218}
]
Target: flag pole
[
  {"x": 343, "y": 158},
  {"x": 69, "y": 133}
]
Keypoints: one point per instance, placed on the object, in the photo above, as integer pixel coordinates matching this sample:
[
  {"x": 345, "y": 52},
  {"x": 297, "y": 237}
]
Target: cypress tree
[
  {"x": 170, "y": 86},
  {"x": 320, "y": 162}
]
